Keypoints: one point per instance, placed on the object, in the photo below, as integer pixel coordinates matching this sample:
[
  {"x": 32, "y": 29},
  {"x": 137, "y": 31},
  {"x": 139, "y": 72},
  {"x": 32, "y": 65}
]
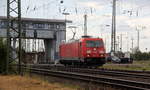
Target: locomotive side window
[{"x": 96, "y": 43}]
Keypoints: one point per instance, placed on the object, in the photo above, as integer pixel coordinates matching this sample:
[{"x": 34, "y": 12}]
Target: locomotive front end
[{"x": 93, "y": 51}]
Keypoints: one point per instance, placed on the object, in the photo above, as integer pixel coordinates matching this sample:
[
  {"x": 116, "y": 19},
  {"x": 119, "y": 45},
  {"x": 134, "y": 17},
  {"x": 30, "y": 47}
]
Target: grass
[
  {"x": 137, "y": 65},
  {"x": 13, "y": 82}
]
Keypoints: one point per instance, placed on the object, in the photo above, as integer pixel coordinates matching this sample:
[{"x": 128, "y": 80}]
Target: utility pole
[
  {"x": 14, "y": 26},
  {"x": 138, "y": 35},
  {"x": 138, "y": 38},
  {"x": 127, "y": 43},
  {"x": 113, "y": 32},
  {"x": 132, "y": 44},
  {"x": 121, "y": 42},
  {"x": 85, "y": 25},
  {"x": 117, "y": 48},
  {"x": 66, "y": 20},
  {"x": 66, "y": 15}
]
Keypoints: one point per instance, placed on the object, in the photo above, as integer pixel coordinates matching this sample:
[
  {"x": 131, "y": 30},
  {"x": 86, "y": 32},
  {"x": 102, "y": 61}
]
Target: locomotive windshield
[{"x": 96, "y": 43}]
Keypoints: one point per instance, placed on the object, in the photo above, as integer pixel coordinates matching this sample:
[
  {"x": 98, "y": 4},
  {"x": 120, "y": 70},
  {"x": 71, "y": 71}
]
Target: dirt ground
[{"x": 26, "y": 83}]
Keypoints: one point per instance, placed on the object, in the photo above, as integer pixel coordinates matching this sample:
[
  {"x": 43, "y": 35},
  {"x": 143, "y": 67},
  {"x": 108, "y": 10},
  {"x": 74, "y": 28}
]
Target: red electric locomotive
[{"x": 87, "y": 51}]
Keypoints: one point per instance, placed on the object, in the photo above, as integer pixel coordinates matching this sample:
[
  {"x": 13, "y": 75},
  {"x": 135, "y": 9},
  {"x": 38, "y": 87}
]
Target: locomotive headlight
[
  {"x": 88, "y": 51},
  {"x": 101, "y": 55},
  {"x": 88, "y": 55}
]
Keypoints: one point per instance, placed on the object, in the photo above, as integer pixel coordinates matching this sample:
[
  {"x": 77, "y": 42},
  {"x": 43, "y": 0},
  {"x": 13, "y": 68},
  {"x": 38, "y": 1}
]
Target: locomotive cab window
[{"x": 96, "y": 43}]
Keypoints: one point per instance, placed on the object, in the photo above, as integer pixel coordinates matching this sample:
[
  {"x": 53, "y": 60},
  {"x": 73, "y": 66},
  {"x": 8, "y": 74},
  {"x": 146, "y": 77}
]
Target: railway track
[
  {"x": 104, "y": 69},
  {"x": 108, "y": 72},
  {"x": 123, "y": 73},
  {"x": 121, "y": 83},
  {"x": 143, "y": 77}
]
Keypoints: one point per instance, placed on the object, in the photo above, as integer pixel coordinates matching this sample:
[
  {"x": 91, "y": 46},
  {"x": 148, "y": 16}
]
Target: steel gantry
[{"x": 13, "y": 15}]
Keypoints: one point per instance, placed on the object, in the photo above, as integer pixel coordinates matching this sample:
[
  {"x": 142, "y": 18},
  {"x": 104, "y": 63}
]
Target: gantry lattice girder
[{"x": 13, "y": 15}]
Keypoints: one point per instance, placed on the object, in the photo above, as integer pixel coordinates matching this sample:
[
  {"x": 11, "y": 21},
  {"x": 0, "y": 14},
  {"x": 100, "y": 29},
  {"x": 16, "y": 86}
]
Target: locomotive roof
[
  {"x": 82, "y": 37},
  {"x": 80, "y": 40},
  {"x": 91, "y": 38}
]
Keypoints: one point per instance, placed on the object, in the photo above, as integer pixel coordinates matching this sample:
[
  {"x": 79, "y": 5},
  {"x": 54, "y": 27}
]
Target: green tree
[{"x": 141, "y": 55}]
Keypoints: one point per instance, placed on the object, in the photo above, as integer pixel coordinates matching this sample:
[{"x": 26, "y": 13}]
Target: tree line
[{"x": 141, "y": 55}]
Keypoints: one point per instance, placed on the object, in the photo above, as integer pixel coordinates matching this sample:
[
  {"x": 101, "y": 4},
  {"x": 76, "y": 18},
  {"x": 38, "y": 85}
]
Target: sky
[{"x": 131, "y": 15}]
